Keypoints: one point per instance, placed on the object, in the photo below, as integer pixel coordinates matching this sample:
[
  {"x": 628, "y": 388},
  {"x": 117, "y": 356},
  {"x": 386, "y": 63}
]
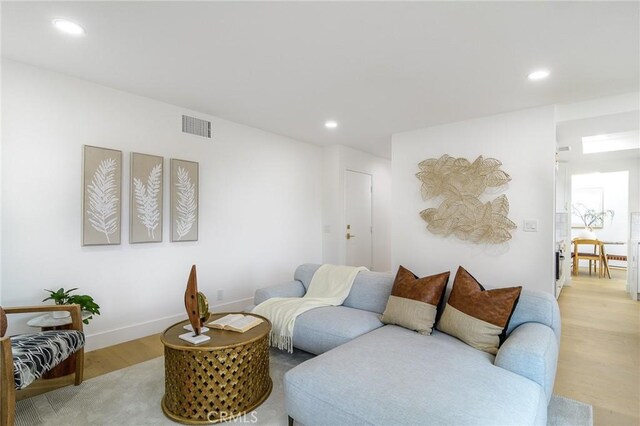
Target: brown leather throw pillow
[
  {"x": 415, "y": 302},
  {"x": 477, "y": 316}
]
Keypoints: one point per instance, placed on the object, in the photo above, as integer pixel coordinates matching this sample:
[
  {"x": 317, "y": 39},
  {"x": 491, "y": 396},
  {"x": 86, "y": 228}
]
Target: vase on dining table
[{"x": 587, "y": 234}]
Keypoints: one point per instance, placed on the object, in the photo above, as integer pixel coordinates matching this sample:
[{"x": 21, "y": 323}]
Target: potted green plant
[
  {"x": 64, "y": 297},
  {"x": 591, "y": 218}
]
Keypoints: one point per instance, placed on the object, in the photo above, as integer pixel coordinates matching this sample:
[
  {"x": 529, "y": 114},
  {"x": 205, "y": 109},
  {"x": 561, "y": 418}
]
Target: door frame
[{"x": 344, "y": 215}]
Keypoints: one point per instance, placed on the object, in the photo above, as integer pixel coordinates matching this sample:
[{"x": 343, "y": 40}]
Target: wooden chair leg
[
  {"x": 7, "y": 384},
  {"x": 8, "y": 409},
  {"x": 79, "y": 376}
]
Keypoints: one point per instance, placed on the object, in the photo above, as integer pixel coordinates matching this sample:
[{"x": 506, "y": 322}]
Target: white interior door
[{"x": 359, "y": 229}]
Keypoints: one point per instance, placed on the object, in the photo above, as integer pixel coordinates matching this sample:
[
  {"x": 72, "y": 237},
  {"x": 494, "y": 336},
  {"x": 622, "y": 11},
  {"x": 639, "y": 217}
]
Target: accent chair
[{"x": 27, "y": 357}]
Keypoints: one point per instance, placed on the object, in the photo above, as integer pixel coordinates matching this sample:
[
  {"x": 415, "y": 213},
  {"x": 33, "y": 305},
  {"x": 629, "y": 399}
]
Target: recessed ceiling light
[
  {"x": 68, "y": 27},
  {"x": 331, "y": 124},
  {"x": 538, "y": 75}
]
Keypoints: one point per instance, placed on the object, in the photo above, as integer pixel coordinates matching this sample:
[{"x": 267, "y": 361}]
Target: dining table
[{"x": 603, "y": 252}]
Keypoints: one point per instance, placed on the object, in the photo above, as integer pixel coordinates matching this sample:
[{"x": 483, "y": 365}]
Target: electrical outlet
[
  {"x": 530, "y": 225},
  {"x": 220, "y": 295}
]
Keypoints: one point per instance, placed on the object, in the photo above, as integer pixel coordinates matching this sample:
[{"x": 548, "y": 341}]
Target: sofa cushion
[
  {"x": 35, "y": 354},
  {"x": 477, "y": 316},
  {"x": 370, "y": 291},
  {"x": 414, "y": 302},
  {"x": 396, "y": 376},
  {"x": 304, "y": 273},
  {"x": 291, "y": 289},
  {"x": 322, "y": 329}
]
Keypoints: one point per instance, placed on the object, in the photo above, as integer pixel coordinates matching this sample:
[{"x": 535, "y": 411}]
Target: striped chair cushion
[{"x": 35, "y": 354}]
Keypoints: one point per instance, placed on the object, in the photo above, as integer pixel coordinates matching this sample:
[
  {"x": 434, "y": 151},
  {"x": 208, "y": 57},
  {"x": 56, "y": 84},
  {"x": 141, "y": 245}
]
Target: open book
[{"x": 236, "y": 322}]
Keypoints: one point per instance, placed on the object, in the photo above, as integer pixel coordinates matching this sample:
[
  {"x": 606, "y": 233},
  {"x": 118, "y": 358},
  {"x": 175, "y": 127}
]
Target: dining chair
[{"x": 594, "y": 255}]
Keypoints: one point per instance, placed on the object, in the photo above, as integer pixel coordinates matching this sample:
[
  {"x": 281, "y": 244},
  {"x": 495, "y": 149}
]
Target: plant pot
[{"x": 61, "y": 314}]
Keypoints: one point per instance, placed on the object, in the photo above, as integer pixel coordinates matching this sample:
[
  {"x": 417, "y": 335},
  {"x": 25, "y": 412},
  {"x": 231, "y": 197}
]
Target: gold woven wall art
[{"x": 461, "y": 183}]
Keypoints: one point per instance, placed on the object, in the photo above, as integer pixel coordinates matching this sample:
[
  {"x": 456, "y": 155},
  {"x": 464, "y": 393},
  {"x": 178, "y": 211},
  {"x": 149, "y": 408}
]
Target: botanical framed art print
[
  {"x": 146, "y": 188},
  {"x": 184, "y": 200},
  {"x": 101, "y": 196}
]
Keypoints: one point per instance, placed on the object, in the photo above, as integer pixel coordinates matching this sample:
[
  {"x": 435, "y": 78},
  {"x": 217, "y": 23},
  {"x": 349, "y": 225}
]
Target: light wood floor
[
  {"x": 600, "y": 349},
  {"x": 599, "y": 353}
]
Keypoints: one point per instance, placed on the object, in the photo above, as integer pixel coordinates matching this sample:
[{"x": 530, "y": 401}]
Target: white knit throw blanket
[{"x": 329, "y": 286}]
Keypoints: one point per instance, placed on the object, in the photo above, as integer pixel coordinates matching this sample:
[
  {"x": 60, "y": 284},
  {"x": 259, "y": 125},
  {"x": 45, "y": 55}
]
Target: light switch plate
[{"x": 530, "y": 225}]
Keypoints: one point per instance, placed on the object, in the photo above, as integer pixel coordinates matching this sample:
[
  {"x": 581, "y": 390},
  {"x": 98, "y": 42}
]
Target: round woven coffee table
[{"x": 221, "y": 379}]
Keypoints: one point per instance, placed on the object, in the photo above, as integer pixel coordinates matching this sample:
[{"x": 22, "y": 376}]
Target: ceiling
[
  {"x": 570, "y": 134},
  {"x": 377, "y": 68}
]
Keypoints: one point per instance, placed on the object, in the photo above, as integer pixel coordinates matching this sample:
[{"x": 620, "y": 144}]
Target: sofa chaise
[{"x": 370, "y": 373}]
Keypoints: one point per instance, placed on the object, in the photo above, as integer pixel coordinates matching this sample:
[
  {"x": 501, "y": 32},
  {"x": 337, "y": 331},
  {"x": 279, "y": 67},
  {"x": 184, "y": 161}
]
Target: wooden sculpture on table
[
  {"x": 203, "y": 310},
  {"x": 191, "y": 301},
  {"x": 197, "y": 309}
]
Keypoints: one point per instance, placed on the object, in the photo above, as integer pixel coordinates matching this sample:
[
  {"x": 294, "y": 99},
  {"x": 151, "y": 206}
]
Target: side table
[
  {"x": 48, "y": 322},
  {"x": 218, "y": 380}
]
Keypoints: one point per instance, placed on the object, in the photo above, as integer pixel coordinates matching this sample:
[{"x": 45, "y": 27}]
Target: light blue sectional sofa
[{"x": 370, "y": 373}]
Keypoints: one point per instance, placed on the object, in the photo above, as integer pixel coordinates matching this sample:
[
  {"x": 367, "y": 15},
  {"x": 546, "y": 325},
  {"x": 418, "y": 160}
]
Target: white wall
[
  {"x": 332, "y": 209},
  {"x": 1, "y": 138},
  {"x": 260, "y": 204},
  {"x": 524, "y": 141},
  {"x": 336, "y": 160}
]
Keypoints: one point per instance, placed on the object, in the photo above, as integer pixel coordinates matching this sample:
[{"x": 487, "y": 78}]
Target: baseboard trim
[{"x": 143, "y": 329}]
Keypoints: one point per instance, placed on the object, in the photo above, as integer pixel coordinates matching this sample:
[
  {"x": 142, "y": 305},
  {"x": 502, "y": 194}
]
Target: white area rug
[{"x": 132, "y": 397}]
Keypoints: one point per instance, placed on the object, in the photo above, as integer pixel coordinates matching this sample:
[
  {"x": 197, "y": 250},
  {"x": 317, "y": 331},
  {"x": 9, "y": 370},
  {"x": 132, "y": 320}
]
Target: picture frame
[
  {"x": 101, "y": 196},
  {"x": 184, "y": 200},
  {"x": 146, "y": 187}
]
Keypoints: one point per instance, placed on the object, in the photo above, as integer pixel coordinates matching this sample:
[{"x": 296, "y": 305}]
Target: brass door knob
[{"x": 350, "y": 235}]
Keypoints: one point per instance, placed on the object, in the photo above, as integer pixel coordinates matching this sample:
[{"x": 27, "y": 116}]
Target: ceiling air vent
[{"x": 196, "y": 126}]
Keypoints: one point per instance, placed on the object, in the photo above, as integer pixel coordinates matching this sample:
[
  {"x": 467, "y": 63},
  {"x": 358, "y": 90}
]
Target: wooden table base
[{"x": 207, "y": 383}]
